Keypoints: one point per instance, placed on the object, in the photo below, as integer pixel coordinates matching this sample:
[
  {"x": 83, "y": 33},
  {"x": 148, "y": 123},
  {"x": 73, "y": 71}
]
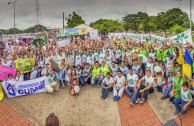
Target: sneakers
[
  {"x": 131, "y": 103},
  {"x": 163, "y": 97},
  {"x": 137, "y": 101},
  {"x": 99, "y": 86},
  {"x": 142, "y": 101}
]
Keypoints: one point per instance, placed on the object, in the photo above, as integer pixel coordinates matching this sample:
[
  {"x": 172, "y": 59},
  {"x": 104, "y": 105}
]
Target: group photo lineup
[{"x": 96, "y": 63}]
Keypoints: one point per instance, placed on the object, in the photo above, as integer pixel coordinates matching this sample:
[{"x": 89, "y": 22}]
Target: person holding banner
[{"x": 52, "y": 83}]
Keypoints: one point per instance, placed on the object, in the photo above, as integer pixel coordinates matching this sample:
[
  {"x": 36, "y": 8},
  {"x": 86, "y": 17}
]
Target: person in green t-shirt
[
  {"x": 185, "y": 100},
  {"x": 96, "y": 74},
  {"x": 178, "y": 81}
]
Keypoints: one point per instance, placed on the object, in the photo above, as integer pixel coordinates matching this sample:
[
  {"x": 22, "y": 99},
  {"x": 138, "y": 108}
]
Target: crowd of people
[{"x": 113, "y": 65}]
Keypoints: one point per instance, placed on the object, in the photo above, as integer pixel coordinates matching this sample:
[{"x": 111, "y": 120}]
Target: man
[
  {"x": 35, "y": 73},
  {"x": 119, "y": 86},
  {"x": 143, "y": 89},
  {"x": 107, "y": 84},
  {"x": 184, "y": 101},
  {"x": 95, "y": 73},
  {"x": 52, "y": 83},
  {"x": 124, "y": 68},
  {"x": 131, "y": 85},
  {"x": 86, "y": 74}
]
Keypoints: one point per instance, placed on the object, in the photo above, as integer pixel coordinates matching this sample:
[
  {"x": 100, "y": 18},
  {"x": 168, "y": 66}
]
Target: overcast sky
[{"x": 91, "y": 10}]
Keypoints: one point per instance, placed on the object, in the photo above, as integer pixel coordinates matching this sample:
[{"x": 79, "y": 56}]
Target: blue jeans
[
  {"x": 118, "y": 61},
  {"x": 179, "y": 103},
  {"x": 143, "y": 66},
  {"x": 81, "y": 81},
  {"x": 95, "y": 80},
  {"x": 88, "y": 81},
  {"x": 167, "y": 90},
  {"x": 159, "y": 88},
  {"x": 131, "y": 95},
  {"x": 106, "y": 91},
  {"x": 59, "y": 78}
]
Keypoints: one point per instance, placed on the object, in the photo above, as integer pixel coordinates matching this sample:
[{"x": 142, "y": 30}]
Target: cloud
[{"x": 90, "y": 10}]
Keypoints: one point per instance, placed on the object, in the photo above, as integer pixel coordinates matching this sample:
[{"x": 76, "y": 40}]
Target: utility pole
[
  {"x": 191, "y": 15},
  {"x": 37, "y": 7},
  {"x": 14, "y": 4},
  {"x": 63, "y": 20}
]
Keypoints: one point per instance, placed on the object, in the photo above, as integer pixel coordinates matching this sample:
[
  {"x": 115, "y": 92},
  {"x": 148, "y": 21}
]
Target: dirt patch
[{"x": 86, "y": 109}]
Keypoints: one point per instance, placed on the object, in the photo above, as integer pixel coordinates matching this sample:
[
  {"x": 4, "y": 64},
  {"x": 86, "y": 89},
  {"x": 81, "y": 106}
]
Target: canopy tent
[{"x": 85, "y": 26}]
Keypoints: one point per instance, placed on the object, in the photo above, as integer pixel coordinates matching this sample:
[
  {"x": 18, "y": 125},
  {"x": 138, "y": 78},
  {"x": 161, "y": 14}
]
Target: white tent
[{"x": 85, "y": 26}]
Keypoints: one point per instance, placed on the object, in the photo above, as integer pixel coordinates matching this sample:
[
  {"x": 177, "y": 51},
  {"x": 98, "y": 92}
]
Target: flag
[
  {"x": 183, "y": 37},
  {"x": 180, "y": 59},
  {"x": 188, "y": 58}
]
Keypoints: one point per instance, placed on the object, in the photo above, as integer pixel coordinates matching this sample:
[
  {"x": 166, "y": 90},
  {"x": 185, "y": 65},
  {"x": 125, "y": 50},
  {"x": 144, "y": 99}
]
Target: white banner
[
  {"x": 184, "y": 37},
  {"x": 159, "y": 39},
  {"x": 63, "y": 43},
  {"x": 15, "y": 89},
  {"x": 93, "y": 34}
]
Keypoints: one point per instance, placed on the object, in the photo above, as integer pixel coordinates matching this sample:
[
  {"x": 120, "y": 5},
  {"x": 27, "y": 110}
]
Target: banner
[
  {"x": 15, "y": 89},
  {"x": 4, "y": 71},
  {"x": 57, "y": 60},
  {"x": 184, "y": 37},
  {"x": 74, "y": 31},
  {"x": 26, "y": 63},
  {"x": 94, "y": 34},
  {"x": 63, "y": 43}
]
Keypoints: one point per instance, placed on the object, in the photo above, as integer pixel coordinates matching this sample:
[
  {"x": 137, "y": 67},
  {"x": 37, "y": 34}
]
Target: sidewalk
[
  {"x": 8, "y": 117},
  {"x": 136, "y": 115}
]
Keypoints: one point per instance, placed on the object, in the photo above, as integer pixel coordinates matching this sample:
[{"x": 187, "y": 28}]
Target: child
[
  {"x": 159, "y": 81},
  {"x": 73, "y": 84},
  {"x": 185, "y": 100}
]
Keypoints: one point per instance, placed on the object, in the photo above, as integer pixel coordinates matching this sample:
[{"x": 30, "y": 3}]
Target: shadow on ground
[{"x": 86, "y": 109}]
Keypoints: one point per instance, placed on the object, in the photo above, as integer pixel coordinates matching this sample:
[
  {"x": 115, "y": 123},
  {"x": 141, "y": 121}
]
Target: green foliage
[
  {"x": 173, "y": 16},
  {"x": 134, "y": 21},
  {"x": 74, "y": 20},
  {"x": 176, "y": 29},
  {"x": 34, "y": 29},
  {"x": 106, "y": 25}
]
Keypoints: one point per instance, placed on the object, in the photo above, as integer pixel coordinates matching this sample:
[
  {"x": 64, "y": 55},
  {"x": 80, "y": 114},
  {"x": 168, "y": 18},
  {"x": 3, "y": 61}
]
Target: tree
[
  {"x": 173, "y": 16},
  {"x": 133, "y": 21},
  {"x": 105, "y": 26},
  {"x": 176, "y": 29},
  {"x": 34, "y": 28},
  {"x": 74, "y": 20}
]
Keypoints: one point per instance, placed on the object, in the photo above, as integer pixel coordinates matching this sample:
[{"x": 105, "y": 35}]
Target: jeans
[
  {"x": 106, "y": 91},
  {"x": 81, "y": 81},
  {"x": 146, "y": 92},
  {"x": 143, "y": 66},
  {"x": 95, "y": 80},
  {"x": 118, "y": 61},
  {"x": 179, "y": 104},
  {"x": 88, "y": 81},
  {"x": 167, "y": 90},
  {"x": 159, "y": 88},
  {"x": 132, "y": 96},
  {"x": 59, "y": 78}
]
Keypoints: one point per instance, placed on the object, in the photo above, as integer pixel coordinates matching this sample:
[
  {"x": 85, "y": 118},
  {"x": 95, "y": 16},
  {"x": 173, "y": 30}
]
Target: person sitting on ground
[
  {"x": 96, "y": 74},
  {"x": 74, "y": 83},
  {"x": 107, "y": 84},
  {"x": 52, "y": 83},
  {"x": 159, "y": 80},
  {"x": 143, "y": 89},
  {"x": 119, "y": 86},
  {"x": 191, "y": 87},
  {"x": 131, "y": 85},
  {"x": 52, "y": 120},
  {"x": 184, "y": 100},
  {"x": 86, "y": 74}
]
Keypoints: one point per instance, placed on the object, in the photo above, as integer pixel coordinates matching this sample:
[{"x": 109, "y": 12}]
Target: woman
[
  {"x": 177, "y": 83},
  {"x": 119, "y": 86},
  {"x": 79, "y": 74},
  {"x": 61, "y": 66},
  {"x": 74, "y": 82}
]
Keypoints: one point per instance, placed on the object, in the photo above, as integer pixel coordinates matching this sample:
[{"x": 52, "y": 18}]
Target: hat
[{"x": 120, "y": 71}]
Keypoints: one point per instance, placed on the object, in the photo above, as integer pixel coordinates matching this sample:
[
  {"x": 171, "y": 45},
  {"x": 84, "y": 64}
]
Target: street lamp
[
  {"x": 179, "y": 3},
  {"x": 14, "y": 3}
]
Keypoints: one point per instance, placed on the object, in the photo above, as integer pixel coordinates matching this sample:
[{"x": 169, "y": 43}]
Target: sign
[
  {"x": 74, "y": 31},
  {"x": 63, "y": 43},
  {"x": 15, "y": 89},
  {"x": 93, "y": 34},
  {"x": 184, "y": 37},
  {"x": 4, "y": 71},
  {"x": 2, "y": 45},
  {"x": 57, "y": 60},
  {"x": 159, "y": 39},
  {"x": 26, "y": 63}
]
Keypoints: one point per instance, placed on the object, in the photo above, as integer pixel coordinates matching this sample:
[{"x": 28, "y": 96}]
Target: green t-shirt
[
  {"x": 95, "y": 72},
  {"x": 177, "y": 87}
]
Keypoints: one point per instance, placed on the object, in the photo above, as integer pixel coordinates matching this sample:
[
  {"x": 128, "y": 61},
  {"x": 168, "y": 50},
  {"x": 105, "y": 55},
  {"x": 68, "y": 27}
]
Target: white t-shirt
[
  {"x": 107, "y": 81},
  {"x": 144, "y": 59},
  {"x": 131, "y": 79},
  {"x": 119, "y": 80},
  {"x": 148, "y": 80}
]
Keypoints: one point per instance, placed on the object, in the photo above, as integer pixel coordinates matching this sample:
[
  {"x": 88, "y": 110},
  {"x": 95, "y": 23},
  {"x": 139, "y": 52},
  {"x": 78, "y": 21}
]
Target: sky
[{"x": 90, "y": 10}]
